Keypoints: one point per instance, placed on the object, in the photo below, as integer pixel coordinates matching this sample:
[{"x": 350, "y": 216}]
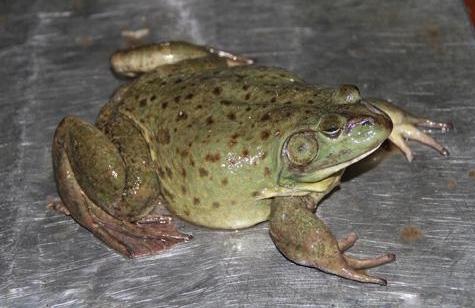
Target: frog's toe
[
  {"x": 360, "y": 276},
  {"x": 347, "y": 242},
  {"x": 358, "y": 264},
  {"x": 406, "y": 131}
]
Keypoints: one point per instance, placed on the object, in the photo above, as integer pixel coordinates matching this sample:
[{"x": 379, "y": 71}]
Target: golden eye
[
  {"x": 302, "y": 148},
  {"x": 331, "y": 126}
]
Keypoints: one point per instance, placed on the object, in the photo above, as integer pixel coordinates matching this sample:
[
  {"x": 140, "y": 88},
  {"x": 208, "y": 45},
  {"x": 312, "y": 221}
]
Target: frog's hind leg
[
  {"x": 305, "y": 239},
  {"x": 405, "y": 127},
  {"x": 93, "y": 185},
  {"x": 135, "y": 61}
]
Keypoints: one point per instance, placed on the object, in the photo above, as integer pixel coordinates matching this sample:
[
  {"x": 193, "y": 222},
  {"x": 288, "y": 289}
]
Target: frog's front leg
[
  {"x": 405, "y": 127},
  {"x": 111, "y": 188},
  {"x": 305, "y": 239}
]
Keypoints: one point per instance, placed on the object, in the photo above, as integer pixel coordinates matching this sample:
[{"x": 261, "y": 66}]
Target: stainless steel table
[{"x": 421, "y": 54}]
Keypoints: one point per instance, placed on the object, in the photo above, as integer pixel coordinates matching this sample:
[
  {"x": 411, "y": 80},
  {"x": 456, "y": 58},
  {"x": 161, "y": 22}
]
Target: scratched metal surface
[{"x": 418, "y": 53}]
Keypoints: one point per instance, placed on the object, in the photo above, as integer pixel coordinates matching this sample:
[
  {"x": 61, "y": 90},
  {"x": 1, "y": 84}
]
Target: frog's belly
[{"x": 224, "y": 215}]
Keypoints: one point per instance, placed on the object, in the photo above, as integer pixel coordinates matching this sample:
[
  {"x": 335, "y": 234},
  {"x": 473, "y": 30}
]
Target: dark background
[{"x": 420, "y": 54}]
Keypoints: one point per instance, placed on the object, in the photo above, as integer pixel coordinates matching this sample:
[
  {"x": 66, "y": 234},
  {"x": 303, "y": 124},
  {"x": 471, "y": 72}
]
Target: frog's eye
[
  {"x": 331, "y": 126},
  {"x": 301, "y": 148}
]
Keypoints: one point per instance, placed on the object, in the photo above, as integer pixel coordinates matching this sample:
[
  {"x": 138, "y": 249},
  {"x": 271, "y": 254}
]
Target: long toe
[{"x": 369, "y": 263}]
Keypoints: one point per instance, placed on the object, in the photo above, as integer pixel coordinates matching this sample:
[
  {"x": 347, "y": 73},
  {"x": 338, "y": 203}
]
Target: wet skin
[{"x": 223, "y": 144}]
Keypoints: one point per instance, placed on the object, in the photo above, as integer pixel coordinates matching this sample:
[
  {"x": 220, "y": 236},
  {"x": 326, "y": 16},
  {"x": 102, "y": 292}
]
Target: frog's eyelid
[{"x": 333, "y": 132}]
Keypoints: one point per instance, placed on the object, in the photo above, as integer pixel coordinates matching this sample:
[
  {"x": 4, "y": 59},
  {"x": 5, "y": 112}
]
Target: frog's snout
[
  {"x": 367, "y": 127},
  {"x": 359, "y": 121}
]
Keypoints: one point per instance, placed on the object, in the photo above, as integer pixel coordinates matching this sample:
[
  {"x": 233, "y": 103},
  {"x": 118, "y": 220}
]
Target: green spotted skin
[{"x": 215, "y": 136}]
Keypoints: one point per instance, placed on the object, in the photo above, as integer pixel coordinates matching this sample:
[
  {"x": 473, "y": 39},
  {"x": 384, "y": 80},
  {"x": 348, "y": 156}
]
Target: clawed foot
[
  {"x": 408, "y": 131},
  {"x": 405, "y": 127},
  {"x": 305, "y": 239},
  {"x": 353, "y": 268}
]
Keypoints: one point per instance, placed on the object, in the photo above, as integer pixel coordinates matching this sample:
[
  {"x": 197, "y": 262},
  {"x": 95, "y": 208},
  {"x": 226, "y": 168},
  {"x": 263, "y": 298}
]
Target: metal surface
[{"x": 54, "y": 62}]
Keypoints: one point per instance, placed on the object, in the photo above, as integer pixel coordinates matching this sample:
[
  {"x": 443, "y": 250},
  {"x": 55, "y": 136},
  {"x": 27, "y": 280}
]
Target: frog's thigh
[
  {"x": 142, "y": 59},
  {"x": 94, "y": 161},
  {"x": 91, "y": 179}
]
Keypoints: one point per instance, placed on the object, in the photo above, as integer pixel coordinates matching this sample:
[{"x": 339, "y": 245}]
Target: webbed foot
[
  {"x": 405, "y": 127},
  {"x": 305, "y": 239}
]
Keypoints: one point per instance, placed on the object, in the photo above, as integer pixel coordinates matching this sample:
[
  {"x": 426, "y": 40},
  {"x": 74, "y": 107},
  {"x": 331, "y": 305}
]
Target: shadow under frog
[{"x": 223, "y": 144}]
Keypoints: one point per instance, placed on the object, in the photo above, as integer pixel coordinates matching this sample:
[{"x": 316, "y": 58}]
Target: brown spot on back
[
  {"x": 178, "y": 80},
  {"x": 152, "y": 98},
  {"x": 192, "y": 162},
  {"x": 411, "y": 233},
  {"x": 184, "y": 153},
  {"x": 169, "y": 172},
  {"x": 266, "y": 171},
  {"x": 245, "y": 87},
  {"x": 309, "y": 101},
  {"x": 177, "y": 99},
  {"x": 265, "y": 134},
  {"x": 225, "y": 102},
  {"x": 143, "y": 102},
  {"x": 196, "y": 201},
  {"x": 248, "y": 96},
  {"x": 245, "y": 152},
  {"x": 231, "y": 116},
  {"x": 265, "y": 117},
  {"x": 163, "y": 136},
  {"x": 273, "y": 99},
  {"x": 213, "y": 157},
  {"x": 224, "y": 181},
  {"x": 209, "y": 120},
  {"x": 199, "y": 106},
  {"x": 217, "y": 91},
  {"x": 203, "y": 172},
  {"x": 189, "y": 96},
  {"x": 164, "y": 105},
  {"x": 216, "y": 205},
  {"x": 183, "y": 172}
]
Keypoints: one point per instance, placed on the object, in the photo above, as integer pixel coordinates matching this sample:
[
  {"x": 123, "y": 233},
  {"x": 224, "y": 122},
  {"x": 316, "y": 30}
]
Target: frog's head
[{"x": 325, "y": 143}]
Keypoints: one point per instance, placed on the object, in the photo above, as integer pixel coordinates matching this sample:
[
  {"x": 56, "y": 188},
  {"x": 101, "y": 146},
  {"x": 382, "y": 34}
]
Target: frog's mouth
[
  {"x": 332, "y": 172},
  {"x": 331, "y": 178}
]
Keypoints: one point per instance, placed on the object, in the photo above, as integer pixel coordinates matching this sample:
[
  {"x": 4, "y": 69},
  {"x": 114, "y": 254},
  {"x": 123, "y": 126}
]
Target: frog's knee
[
  {"x": 142, "y": 59},
  {"x": 92, "y": 160}
]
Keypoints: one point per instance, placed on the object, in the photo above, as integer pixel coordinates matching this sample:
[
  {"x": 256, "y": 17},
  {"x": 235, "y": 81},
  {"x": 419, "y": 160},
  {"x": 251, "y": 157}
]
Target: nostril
[{"x": 367, "y": 122}]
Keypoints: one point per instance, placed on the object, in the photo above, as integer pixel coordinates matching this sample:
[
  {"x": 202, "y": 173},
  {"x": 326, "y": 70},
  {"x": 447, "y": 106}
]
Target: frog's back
[{"x": 213, "y": 136}]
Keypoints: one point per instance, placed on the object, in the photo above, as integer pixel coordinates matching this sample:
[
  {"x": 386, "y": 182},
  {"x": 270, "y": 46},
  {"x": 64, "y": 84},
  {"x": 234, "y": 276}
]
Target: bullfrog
[{"x": 225, "y": 144}]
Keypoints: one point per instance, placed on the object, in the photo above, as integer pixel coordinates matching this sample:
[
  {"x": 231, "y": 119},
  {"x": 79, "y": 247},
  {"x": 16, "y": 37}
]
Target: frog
[{"x": 211, "y": 138}]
